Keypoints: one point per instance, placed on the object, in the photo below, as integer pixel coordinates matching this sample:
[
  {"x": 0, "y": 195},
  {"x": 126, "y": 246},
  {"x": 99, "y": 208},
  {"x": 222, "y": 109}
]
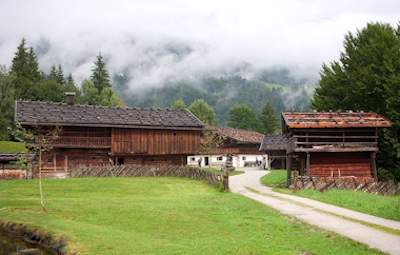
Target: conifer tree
[
  {"x": 33, "y": 66},
  {"x": 60, "y": 75},
  {"x": 53, "y": 73},
  {"x": 268, "y": 119},
  {"x": 100, "y": 76}
]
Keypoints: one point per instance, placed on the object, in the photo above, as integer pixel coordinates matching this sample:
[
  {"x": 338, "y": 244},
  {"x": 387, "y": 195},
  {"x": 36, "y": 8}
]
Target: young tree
[
  {"x": 203, "y": 111},
  {"x": 38, "y": 140},
  {"x": 100, "y": 76},
  {"x": 178, "y": 104},
  {"x": 367, "y": 77},
  {"x": 268, "y": 119},
  {"x": 243, "y": 117}
]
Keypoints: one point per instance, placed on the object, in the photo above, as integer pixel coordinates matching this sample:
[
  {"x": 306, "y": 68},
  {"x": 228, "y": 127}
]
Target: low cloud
[{"x": 152, "y": 42}]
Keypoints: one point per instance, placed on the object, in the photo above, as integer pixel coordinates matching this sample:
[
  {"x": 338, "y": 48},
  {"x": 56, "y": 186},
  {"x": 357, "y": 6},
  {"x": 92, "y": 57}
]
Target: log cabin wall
[
  {"x": 154, "y": 142},
  {"x": 356, "y": 164}
]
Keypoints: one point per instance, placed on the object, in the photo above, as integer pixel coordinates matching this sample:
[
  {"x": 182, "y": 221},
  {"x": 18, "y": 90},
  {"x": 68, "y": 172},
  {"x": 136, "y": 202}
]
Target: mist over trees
[
  {"x": 367, "y": 77},
  {"x": 25, "y": 81}
]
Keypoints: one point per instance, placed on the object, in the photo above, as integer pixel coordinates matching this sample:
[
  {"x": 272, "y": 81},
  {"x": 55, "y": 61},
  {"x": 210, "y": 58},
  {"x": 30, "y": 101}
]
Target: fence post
[{"x": 225, "y": 179}]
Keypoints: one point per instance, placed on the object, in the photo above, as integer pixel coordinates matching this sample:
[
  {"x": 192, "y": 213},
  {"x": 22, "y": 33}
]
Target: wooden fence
[
  {"x": 350, "y": 183},
  {"x": 213, "y": 178}
]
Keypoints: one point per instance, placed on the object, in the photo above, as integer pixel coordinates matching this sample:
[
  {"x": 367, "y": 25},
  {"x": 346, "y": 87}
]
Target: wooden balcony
[
  {"x": 81, "y": 142},
  {"x": 332, "y": 143}
]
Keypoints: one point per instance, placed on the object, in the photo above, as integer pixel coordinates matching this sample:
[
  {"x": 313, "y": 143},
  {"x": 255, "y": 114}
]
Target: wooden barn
[
  {"x": 96, "y": 135},
  {"x": 243, "y": 145},
  {"x": 332, "y": 144}
]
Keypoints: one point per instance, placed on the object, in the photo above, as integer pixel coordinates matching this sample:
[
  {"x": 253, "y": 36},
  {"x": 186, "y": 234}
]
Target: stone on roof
[
  {"x": 348, "y": 119},
  {"x": 61, "y": 114}
]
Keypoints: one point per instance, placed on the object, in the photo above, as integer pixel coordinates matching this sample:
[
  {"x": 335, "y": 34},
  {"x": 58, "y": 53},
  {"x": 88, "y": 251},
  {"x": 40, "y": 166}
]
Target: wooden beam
[
  {"x": 308, "y": 164},
  {"x": 289, "y": 169},
  {"x": 373, "y": 165}
]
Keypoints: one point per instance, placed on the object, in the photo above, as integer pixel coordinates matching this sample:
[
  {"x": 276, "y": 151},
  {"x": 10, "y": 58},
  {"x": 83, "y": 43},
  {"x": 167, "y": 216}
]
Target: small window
[
  {"x": 193, "y": 159},
  {"x": 219, "y": 158},
  {"x": 243, "y": 158}
]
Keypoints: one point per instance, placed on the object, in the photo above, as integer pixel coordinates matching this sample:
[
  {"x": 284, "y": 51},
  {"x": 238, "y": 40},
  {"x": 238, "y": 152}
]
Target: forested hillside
[{"x": 222, "y": 93}]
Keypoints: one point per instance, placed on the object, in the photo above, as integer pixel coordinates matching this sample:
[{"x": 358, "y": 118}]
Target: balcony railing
[
  {"x": 317, "y": 143},
  {"x": 81, "y": 142}
]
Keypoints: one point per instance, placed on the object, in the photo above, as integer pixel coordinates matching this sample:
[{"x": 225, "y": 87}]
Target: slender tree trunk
[{"x": 40, "y": 182}]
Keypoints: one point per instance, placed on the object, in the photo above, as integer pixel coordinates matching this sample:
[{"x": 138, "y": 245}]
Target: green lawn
[
  {"x": 382, "y": 206},
  {"x": 149, "y": 215},
  {"x": 11, "y": 147},
  {"x": 275, "y": 178},
  {"x": 219, "y": 170}
]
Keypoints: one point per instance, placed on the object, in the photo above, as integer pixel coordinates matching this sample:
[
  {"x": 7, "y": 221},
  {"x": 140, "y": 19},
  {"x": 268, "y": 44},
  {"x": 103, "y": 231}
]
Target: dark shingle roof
[
  {"x": 61, "y": 114},
  {"x": 274, "y": 142},
  {"x": 334, "y": 120}
]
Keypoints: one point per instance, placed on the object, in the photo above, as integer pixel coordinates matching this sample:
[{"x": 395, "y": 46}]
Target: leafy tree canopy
[
  {"x": 178, "y": 104},
  {"x": 242, "y": 116},
  {"x": 203, "y": 111}
]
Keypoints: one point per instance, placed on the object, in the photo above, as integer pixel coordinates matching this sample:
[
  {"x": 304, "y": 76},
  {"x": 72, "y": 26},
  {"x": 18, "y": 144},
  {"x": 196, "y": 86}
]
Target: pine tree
[
  {"x": 33, "y": 66},
  {"x": 6, "y": 103},
  {"x": 60, "y": 75},
  {"x": 20, "y": 70},
  {"x": 53, "y": 73},
  {"x": 268, "y": 119},
  {"x": 100, "y": 76}
]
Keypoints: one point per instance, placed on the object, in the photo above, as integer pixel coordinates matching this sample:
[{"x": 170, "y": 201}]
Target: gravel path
[{"x": 336, "y": 219}]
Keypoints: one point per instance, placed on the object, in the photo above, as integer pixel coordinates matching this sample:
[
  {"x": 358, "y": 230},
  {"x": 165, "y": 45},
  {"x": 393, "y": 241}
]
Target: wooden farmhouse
[
  {"x": 242, "y": 145},
  {"x": 97, "y": 135},
  {"x": 329, "y": 144}
]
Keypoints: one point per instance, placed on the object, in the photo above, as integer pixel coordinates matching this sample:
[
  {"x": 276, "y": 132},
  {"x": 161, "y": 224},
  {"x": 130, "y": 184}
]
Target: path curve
[{"x": 333, "y": 218}]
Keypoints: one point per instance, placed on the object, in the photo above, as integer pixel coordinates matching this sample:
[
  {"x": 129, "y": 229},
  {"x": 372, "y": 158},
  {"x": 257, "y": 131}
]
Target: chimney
[{"x": 71, "y": 97}]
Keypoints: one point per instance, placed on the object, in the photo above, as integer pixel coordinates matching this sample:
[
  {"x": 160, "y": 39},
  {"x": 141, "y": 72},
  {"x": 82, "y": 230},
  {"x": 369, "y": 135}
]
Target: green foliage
[
  {"x": 47, "y": 90},
  {"x": 91, "y": 95},
  {"x": 367, "y": 77},
  {"x": 12, "y": 147},
  {"x": 150, "y": 215},
  {"x": 275, "y": 178},
  {"x": 7, "y": 95},
  {"x": 100, "y": 76},
  {"x": 269, "y": 121},
  {"x": 243, "y": 117},
  {"x": 178, "y": 104},
  {"x": 203, "y": 111}
]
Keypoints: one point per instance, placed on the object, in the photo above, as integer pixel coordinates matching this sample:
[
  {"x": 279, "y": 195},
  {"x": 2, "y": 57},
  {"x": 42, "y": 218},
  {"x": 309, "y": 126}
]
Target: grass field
[
  {"x": 382, "y": 206},
  {"x": 11, "y": 147},
  {"x": 149, "y": 215}
]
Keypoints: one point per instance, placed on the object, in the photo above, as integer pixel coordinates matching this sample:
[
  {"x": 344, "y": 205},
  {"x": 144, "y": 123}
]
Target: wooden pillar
[
  {"x": 66, "y": 163},
  {"x": 373, "y": 165},
  {"x": 308, "y": 164},
  {"x": 289, "y": 168},
  {"x": 55, "y": 162}
]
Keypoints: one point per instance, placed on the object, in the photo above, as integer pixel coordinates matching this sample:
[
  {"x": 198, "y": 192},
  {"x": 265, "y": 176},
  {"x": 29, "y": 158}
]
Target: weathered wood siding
[
  {"x": 154, "y": 142},
  {"x": 341, "y": 164}
]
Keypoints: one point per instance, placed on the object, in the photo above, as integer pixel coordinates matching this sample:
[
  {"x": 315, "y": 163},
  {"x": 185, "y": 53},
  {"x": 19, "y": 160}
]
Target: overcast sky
[{"x": 136, "y": 36}]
